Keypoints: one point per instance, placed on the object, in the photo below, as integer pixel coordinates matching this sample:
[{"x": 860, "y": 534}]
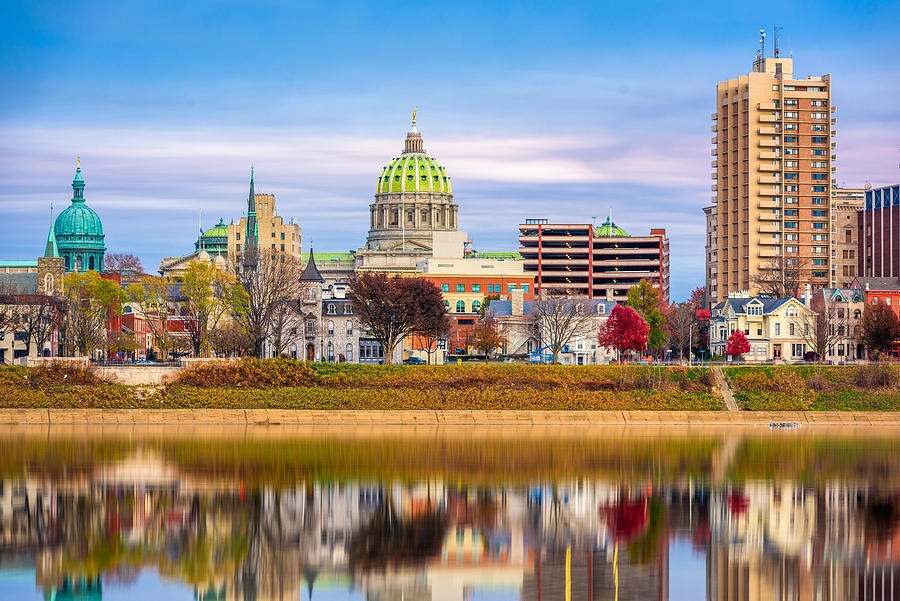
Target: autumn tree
[
  {"x": 394, "y": 307},
  {"x": 644, "y": 298},
  {"x": 40, "y": 314},
  {"x": 487, "y": 338},
  {"x": 122, "y": 262},
  {"x": 782, "y": 277},
  {"x": 737, "y": 344},
  {"x": 156, "y": 297},
  {"x": 821, "y": 329},
  {"x": 624, "y": 331},
  {"x": 208, "y": 294},
  {"x": 560, "y": 318},
  {"x": 90, "y": 302},
  {"x": 266, "y": 281},
  {"x": 682, "y": 327},
  {"x": 880, "y": 327},
  {"x": 229, "y": 340},
  {"x": 431, "y": 332}
]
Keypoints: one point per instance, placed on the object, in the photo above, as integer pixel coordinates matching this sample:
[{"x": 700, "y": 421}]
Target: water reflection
[{"x": 262, "y": 516}]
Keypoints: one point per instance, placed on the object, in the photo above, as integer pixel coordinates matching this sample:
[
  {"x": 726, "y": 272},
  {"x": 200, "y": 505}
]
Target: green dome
[
  {"x": 220, "y": 230},
  {"x": 413, "y": 172},
  {"x": 610, "y": 229},
  {"x": 79, "y": 232},
  {"x": 214, "y": 240}
]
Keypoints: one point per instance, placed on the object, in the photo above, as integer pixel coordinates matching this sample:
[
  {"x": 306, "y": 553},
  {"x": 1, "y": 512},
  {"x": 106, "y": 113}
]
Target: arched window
[
  {"x": 91, "y": 263},
  {"x": 460, "y": 307},
  {"x": 311, "y": 294},
  {"x": 857, "y": 314},
  {"x": 330, "y": 328},
  {"x": 476, "y": 306},
  {"x": 48, "y": 284},
  {"x": 349, "y": 327},
  {"x": 330, "y": 352},
  {"x": 349, "y": 352},
  {"x": 331, "y": 310}
]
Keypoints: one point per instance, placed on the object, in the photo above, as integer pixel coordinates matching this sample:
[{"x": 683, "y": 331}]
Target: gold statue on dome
[
  {"x": 78, "y": 162},
  {"x": 414, "y": 115}
]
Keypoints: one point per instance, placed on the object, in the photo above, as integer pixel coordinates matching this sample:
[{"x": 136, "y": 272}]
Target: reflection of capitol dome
[
  {"x": 413, "y": 199},
  {"x": 79, "y": 232}
]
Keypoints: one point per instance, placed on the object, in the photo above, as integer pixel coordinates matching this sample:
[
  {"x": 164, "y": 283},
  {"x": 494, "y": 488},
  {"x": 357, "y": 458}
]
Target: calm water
[{"x": 448, "y": 514}]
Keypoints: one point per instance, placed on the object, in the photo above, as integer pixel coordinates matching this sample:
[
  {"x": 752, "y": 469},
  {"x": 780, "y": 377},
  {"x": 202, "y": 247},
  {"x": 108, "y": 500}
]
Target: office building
[
  {"x": 845, "y": 204},
  {"x": 772, "y": 159},
  {"x": 878, "y": 226}
]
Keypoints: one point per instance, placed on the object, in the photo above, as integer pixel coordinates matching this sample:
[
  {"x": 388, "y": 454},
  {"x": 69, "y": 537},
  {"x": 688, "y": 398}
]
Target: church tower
[{"x": 51, "y": 267}]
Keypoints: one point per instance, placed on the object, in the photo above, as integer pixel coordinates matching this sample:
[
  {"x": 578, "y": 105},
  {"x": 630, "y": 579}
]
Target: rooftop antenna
[
  {"x": 776, "y": 40},
  {"x": 762, "y": 43}
]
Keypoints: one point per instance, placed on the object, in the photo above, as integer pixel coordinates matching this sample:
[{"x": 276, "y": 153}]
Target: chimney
[
  {"x": 610, "y": 294},
  {"x": 807, "y": 294},
  {"x": 517, "y": 298}
]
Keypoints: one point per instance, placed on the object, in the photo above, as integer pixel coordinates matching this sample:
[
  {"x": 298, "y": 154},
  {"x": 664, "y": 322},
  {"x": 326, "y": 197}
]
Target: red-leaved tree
[
  {"x": 737, "y": 344},
  {"x": 624, "y": 331}
]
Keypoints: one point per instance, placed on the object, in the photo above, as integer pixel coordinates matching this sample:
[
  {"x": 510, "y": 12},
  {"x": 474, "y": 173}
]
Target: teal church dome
[
  {"x": 214, "y": 240},
  {"x": 79, "y": 232}
]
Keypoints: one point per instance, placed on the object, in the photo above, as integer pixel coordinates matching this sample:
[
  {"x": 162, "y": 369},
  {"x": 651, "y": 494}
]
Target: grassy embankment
[
  {"x": 815, "y": 387},
  {"x": 283, "y": 384}
]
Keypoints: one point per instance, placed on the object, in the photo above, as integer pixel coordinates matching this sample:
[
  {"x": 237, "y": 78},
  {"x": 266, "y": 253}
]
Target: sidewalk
[{"x": 432, "y": 418}]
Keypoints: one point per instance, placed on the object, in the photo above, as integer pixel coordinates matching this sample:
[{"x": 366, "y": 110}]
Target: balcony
[
  {"x": 769, "y": 179},
  {"x": 769, "y": 167},
  {"x": 714, "y": 164},
  {"x": 775, "y": 215},
  {"x": 769, "y": 252},
  {"x": 833, "y": 108},
  {"x": 715, "y": 139},
  {"x": 833, "y": 121},
  {"x": 715, "y": 152},
  {"x": 715, "y": 187},
  {"x": 715, "y": 116},
  {"x": 770, "y": 155},
  {"x": 770, "y": 240},
  {"x": 769, "y": 143},
  {"x": 715, "y": 176},
  {"x": 714, "y": 128},
  {"x": 770, "y": 228},
  {"x": 763, "y": 118},
  {"x": 834, "y": 157},
  {"x": 768, "y": 130},
  {"x": 766, "y": 106},
  {"x": 769, "y": 203}
]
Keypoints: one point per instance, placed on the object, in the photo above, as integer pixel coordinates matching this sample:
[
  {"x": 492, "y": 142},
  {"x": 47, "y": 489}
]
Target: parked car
[{"x": 414, "y": 361}]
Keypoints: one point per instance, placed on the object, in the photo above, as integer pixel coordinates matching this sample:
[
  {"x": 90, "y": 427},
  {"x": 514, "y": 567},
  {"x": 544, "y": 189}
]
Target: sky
[{"x": 567, "y": 111}]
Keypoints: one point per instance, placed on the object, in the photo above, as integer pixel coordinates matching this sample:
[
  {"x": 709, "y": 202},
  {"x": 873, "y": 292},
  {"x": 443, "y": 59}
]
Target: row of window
[
  {"x": 492, "y": 288},
  {"x": 461, "y": 306}
]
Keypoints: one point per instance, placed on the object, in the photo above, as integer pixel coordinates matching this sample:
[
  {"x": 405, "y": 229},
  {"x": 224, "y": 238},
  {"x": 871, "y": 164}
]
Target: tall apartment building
[
  {"x": 878, "y": 228},
  {"x": 602, "y": 262},
  {"x": 712, "y": 254},
  {"x": 772, "y": 155},
  {"x": 845, "y": 204}
]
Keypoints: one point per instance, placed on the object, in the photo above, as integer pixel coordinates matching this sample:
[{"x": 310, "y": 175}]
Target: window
[
  {"x": 819, "y": 140},
  {"x": 791, "y": 329},
  {"x": 791, "y": 114},
  {"x": 460, "y": 307},
  {"x": 460, "y": 287},
  {"x": 791, "y": 188},
  {"x": 791, "y": 249},
  {"x": 792, "y": 237},
  {"x": 790, "y": 102},
  {"x": 525, "y": 288},
  {"x": 818, "y": 103},
  {"x": 476, "y": 287},
  {"x": 791, "y": 163},
  {"x": 754, "y": 310},
  {"x": 820, "y": 274},
  {"x": 791, "y": 139},
  {"x": 820, "y": 115},
  {"x": 818, "y": 226},
  {"x": 330, "y": 327},
  {"x": 819, "y": 237},
  {"x": 348, "y": 354},
  {"x": 791, "y": 200},
  {"x": 818, "y": 188},
  {"x": 819, "y": 127},
  {"x": 819, "y": 152},
  {"x": 819, "y": 249},
  {"x": 445, "y": 287},
  {"x": 777, "y": 329},
  {"x": 447, "y": 306},
  {"x": 331, "y": 310},
  {"x": 490, "y": 288},
  {"x": 510, "y": 288},
  {"x": 282, "y": 235},
  {"x": 791, "y": 176},
  {"x": 790, "y": 126},
  {"x": 476, "y": 306},
  {"x": 791, "y": 151},
  {"x": 282, "y": 248},
  {"x": 349, "y": 327},
  {"x": 819, "y": 261},
  {"x": 330, "y": 352},
  {"x": 820, "y": 213},
  {"x": 818, "y": 201},
  {"x": 791, "y": 213},
  {"x": 819, "y": 176}
]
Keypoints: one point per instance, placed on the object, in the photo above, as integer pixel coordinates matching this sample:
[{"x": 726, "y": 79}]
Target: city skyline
[{"x": 609, "y": 110}]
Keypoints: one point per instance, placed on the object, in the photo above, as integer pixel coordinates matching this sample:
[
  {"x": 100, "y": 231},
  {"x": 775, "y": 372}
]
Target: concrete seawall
[{"x": 448, "y": 418}]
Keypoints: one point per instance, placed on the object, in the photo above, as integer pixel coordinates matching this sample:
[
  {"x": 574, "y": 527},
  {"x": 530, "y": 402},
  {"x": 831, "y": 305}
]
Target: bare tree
[
  {"x": 10, "y": 315},
  {"x": 122, "y": 262},
  {"x": 820, "y": 330},
  {"x": 40, "y": 315},
  {"x": 431, "y": 332},
  {"x": 267, "y": 279},
  {"x": 560, "y": 318},
  {"x": 782, "y": 277},
  {"x": 682, "y": 327}
]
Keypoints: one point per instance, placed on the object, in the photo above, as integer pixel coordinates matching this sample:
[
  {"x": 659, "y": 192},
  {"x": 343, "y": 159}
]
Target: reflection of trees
[
  {"x": 388, "y": 539},
  {"x": 881, "y": 515}
]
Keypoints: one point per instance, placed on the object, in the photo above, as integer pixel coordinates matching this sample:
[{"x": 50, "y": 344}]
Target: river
[{"x": 449, "y": 514}]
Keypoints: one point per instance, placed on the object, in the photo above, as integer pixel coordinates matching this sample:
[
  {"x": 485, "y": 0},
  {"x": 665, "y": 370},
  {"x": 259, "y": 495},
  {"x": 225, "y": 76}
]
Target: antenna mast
[
  {"x": 762, "y": 44},
  {"x": 776, "y": 40}
]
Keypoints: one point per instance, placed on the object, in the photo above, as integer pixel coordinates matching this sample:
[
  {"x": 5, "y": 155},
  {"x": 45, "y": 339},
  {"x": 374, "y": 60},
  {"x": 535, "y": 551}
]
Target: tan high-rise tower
[{"x": 772, "y": 155}]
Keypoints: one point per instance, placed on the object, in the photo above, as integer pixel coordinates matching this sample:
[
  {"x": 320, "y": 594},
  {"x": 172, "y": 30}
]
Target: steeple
[
  {"x": 251, "y": 233},
  {"x": 51, "y": 250},
  {"x": 413, "y": 141},
  {"x": 311, "y": 272}
]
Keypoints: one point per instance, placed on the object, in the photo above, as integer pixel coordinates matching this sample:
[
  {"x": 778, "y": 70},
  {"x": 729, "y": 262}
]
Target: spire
[
  {"x": 251, "y": 233},
  {"x": 78, "y": 183},
  {"x": 51, "y": 250},
  {"x": 311, "y": 272},
  {"x": 414, "y": 141}
]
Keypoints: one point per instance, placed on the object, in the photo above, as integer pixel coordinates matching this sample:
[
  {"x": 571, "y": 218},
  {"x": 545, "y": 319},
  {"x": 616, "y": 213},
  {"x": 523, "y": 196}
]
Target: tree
[
  {"x": 487, "y": 338},
  {"x": 780, "y": 278},
  {"x": 484, "y": 310},
  {"x": 122, "y": 262},
  {"x": 698, "y": 297},
  {"x": 559, "y": 318},
  {"x": 229, "y": 340},
  {"x": 208, "y": 293},
  {"x": 266, "y": 280},
  {"x": 40, "y": 315},
  {"x": 431, "y": 331},
  {"x": 880, "y": 327},
  {"x": 820, "y": 330},
  {"x": 625, "y": 331},
  {"x": 682, "y": 327},
  {"x": 10, "y": 315},
  {"x": 156, "y": 297},
  {"x": 395, "y": 307},
  {"x": 90, "y": 302},
  {"x": 644, "y": 298},
  {"x": 737, "y": 344}
]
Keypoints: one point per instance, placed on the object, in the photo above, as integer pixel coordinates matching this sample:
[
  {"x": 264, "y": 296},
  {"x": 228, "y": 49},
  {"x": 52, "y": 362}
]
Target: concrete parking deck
[{"x": 440, "y": 418}]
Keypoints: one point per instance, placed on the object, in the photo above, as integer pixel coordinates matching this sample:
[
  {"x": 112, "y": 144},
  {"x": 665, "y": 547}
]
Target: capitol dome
[
  {"x": 79, "y": 232},
  {"x": 413, "y": 172}
]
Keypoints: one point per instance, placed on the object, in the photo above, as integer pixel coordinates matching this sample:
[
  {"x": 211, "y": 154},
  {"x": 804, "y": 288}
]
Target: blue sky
[{"x": 557, "y": 110}]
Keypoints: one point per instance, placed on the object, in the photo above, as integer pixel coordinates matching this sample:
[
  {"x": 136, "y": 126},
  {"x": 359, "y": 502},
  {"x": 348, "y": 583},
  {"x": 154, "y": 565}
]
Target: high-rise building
[
  {"x": 878, "y": 227},
  {"x": 845, "y": 204},
  {"x": 262, "y": 228},
  {"x": 772, "y": 155},
  {"x": 602, "y": 262},
  {"x": 712, "y": 254}
]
